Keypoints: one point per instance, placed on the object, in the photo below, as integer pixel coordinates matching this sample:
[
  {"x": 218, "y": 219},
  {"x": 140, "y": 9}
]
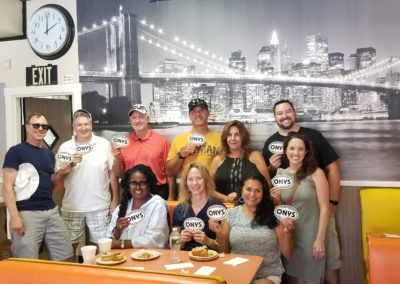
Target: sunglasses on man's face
[{"x": 38, "y": 125}]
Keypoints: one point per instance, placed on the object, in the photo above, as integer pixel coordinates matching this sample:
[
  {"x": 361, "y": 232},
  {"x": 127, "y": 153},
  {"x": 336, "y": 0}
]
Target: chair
[
  {"x": 380, "y": 211},
  {"x": 383, "y": 258}
]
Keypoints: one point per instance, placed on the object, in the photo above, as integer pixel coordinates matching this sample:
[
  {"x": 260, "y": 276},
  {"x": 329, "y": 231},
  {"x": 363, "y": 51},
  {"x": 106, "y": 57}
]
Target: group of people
[{"x": 212, "y": 169}]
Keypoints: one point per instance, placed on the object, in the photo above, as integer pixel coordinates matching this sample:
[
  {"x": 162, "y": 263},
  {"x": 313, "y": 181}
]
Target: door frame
[{"x": 12, "y": 98}]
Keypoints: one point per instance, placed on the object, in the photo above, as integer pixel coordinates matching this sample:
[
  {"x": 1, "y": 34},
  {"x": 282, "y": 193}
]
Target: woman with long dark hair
[
  {"x": 253, "y": 229},
  {"x": 309, "y": 194},
  {"x": 140, "y": 221},
  {"x": 236, "y": 161}
]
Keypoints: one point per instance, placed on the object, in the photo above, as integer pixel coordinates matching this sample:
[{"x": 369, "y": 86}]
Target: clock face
[{"x": 50, "y": 31}]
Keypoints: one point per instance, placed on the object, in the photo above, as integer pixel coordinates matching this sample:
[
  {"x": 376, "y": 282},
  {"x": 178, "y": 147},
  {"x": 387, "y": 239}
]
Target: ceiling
[{"x": 11, "y": 18}]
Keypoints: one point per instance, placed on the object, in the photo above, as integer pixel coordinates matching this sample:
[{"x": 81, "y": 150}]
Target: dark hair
[
  {"x": 36, "y": 114},
  {"x": 265, "y": 209},
  {"x": 282, "y": 102},
  {"x": 243, "y": 132},
  {"x": 309, "y": 165},
  {"x": 126, "y": 194}
]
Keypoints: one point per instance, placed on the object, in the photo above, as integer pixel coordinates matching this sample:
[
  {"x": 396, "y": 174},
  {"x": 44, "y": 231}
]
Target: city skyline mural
[{"x": 338, "y": 62}]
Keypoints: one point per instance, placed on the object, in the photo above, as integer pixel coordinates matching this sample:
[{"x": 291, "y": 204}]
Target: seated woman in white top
[{"x": 140, "y": 221}]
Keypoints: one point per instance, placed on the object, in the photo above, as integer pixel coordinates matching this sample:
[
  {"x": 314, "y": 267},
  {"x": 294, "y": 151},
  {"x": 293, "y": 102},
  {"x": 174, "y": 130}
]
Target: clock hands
[{"x": 48, "y": 29}]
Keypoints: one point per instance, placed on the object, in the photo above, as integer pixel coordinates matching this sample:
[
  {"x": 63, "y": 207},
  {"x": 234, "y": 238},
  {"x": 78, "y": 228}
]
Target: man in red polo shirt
[{"x": 145, "y": 147}]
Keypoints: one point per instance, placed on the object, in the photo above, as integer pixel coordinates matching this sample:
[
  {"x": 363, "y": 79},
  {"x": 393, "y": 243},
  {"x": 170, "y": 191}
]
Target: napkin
[
  {"x": 236, "y": 261},
  {"x": 178, "y": 265},
  {"x": 205, "y": 270}
]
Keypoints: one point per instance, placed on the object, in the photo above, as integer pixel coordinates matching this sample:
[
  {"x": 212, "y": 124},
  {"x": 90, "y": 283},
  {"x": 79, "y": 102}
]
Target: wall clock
[{"x": 50, "y": 31}]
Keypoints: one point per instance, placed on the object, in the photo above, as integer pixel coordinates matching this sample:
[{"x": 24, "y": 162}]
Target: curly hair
[
  {"x": 244, "y": 134},
  {"x": 126, "y": 194},
  {"x": 184, "y": 192},
  {"x": 265, "y": 209},
  {"x": 309, "y": 165}
]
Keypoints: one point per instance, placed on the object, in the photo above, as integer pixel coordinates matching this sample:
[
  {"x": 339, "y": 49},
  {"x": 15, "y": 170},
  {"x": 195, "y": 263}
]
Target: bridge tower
[{"x": 122, "y": 56}]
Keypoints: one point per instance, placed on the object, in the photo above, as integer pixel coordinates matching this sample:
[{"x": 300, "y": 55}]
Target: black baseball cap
[{"x": 197, "y": 102}]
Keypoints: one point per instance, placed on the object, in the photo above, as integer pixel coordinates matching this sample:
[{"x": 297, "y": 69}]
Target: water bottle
[{"x": 175, "y": 245}]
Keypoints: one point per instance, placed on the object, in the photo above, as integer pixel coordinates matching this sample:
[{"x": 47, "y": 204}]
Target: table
[{"x": 241, "y": 274}]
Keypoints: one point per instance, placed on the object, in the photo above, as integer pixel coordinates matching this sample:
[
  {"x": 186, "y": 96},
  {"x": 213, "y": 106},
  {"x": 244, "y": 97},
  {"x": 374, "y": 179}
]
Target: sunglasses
[
  {"x": 38, "y": 125},
  {"x": 82, "y": 112}
]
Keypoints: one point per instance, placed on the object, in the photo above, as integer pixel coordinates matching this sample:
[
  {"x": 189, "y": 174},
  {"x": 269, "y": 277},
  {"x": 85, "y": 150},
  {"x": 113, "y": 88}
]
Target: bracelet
[
  {"x": 334, "y": 202},
  {"x": 122, "y": 244}
]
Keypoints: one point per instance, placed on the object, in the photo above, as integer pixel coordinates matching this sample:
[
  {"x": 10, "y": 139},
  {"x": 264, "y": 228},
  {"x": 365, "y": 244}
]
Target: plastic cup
[
  {"x": 104, "y": 245},
  {"x": 89, "y": 254}
]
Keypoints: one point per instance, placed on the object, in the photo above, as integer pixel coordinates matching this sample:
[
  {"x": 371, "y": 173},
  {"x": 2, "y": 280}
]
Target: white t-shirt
[{"x": 87, "y": 186}]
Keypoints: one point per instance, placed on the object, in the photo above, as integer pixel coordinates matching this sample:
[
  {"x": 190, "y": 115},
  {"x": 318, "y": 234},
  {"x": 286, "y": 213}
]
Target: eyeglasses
[
  {"x": 141, "y": 184},
  {"x": 38, "y": 125},
  {"x": 82, "y": 112}
]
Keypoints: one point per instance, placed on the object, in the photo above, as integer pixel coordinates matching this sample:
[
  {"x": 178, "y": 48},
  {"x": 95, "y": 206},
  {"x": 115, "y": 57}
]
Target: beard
[{"x": 286, "y": 126}]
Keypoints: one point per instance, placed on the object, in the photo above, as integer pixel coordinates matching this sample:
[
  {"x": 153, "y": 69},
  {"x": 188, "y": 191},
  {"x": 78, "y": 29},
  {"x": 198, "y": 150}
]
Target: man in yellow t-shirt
[{"x": 199, "y": 145}]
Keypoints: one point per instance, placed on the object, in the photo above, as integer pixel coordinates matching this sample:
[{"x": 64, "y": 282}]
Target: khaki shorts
[
  {"x": 332, "y": 245},
  {"x": 42, "y": 225}
]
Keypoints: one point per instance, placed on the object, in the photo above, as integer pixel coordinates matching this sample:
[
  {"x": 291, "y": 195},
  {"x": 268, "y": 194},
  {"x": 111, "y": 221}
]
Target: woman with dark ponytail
[{"x": 140, "y": 221}]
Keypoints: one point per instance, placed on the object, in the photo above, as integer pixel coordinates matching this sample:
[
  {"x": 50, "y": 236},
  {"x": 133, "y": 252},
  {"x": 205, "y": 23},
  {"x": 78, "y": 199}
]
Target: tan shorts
[{"x": 333, "y": 261}]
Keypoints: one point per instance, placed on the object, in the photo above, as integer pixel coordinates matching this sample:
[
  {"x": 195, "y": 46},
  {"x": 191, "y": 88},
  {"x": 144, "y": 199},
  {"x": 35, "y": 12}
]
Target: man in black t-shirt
[{"x": 285, "y": 118}]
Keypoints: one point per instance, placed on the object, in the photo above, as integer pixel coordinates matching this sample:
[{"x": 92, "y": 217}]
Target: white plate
[
  {"x": 110, "y": 262},
  {"x": 212, "y": 254},
  {"x": 138, "y": 255}
]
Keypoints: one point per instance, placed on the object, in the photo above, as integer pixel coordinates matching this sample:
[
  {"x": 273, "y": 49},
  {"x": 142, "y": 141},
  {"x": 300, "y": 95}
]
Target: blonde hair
[{"x": 184, "y": 193}]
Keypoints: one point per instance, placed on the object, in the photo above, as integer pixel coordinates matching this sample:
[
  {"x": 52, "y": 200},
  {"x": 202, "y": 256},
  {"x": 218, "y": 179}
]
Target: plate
[
  {"x": 145, "y": 254},
  {"x": 212, "y": 254},
  {"x": 109, "y": 262}
]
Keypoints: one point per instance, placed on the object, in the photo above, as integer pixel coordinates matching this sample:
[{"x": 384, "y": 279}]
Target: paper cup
[
  {"x": 89, "y": 254},
  {"x": 104, "y": 245}
]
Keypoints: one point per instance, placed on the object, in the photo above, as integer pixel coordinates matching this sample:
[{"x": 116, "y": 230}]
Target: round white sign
[
  {"x": 286, "y": 211},
  {"x": 120, "y": 140},
  {"x": 284, "y": 182},
  {"x": 216, "y": 212},
  {"x": 135, "y": 217},
  {"x": 276, "y": 147},
  {"x": 194, "y": 223},
  {"x": 64, "y": 157},
  {"x": 197, "y": 139},
  {"x": 84, "y": 148}
]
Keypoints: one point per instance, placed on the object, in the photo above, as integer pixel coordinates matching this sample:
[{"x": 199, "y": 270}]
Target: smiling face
[
  {"x": 36, "y": 135},
  {"x": 139, "y": 121},
  {"x": 234, "y": 139},
  {"x": 83, "y": 128},
  {"x": 195, "y": 182},
  {"x": 296, "y": 151},
  {"x": 138, "y": 186},
  {"x": 199, "y": 117},
  {"x": 252, "y": 192},
  {"x": 285, "y": 116}
]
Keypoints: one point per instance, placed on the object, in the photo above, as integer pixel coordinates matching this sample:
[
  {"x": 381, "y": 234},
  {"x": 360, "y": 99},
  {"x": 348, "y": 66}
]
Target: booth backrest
[
  {"x": 27, "y": 271},
  {"x": 384, "y": 259},
  {"x": 380, "y": 213}
]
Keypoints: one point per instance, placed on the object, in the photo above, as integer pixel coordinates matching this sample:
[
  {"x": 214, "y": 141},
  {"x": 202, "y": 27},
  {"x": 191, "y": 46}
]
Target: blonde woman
[{"x": 196, "y": 195}]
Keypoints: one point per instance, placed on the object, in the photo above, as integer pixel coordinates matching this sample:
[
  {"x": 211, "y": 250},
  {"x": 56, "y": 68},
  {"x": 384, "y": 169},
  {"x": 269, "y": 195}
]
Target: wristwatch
[{"x": 334, "y": 202}]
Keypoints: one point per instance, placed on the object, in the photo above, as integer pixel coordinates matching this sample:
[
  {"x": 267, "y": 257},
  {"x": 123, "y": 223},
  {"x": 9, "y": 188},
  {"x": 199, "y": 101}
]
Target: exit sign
[{"x": 41, "y": 75}]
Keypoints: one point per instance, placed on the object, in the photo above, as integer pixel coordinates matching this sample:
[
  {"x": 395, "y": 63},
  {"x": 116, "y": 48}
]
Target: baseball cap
[
  {"x": 137, "y": 107},
  {"x": 197, "y": 102}
]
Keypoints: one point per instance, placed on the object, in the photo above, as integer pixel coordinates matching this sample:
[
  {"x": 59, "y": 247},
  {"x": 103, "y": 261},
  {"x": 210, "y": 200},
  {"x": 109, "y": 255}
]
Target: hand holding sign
[
  {"x": 76, "y": 158},
  {"x": 120, "y": 141}
]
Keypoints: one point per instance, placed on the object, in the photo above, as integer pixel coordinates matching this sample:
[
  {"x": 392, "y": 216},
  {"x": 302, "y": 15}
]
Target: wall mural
[{"x": 338, "y": 61}]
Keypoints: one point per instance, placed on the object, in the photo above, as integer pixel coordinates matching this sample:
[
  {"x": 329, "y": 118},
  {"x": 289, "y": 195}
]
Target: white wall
[{"x": 16, "y": 55}]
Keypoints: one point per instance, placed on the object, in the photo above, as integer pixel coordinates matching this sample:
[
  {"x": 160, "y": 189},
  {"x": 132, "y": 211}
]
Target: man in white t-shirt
[{"x": 87, "y": 199}]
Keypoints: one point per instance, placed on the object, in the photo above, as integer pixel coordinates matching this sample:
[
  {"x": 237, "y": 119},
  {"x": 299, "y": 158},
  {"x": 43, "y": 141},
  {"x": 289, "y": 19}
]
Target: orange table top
[{"x": 243, "y": 273}]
